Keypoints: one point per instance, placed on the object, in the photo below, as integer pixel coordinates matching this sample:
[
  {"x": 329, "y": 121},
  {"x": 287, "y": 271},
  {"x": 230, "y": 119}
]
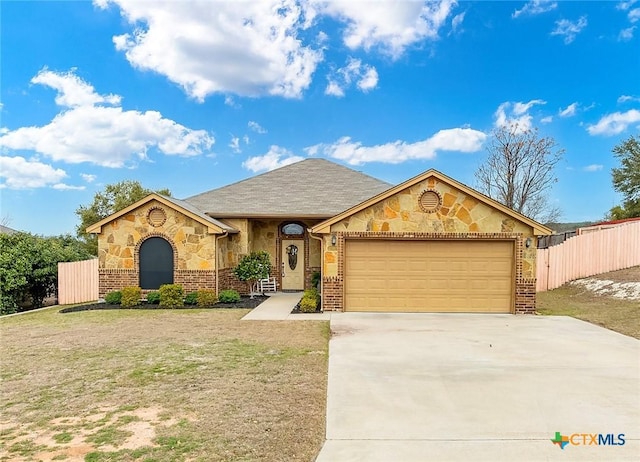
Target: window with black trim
[{"x": 293, "y": 229}]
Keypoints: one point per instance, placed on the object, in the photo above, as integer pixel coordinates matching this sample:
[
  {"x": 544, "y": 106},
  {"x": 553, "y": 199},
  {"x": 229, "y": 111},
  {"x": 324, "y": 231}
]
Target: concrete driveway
[{"x": 421, "y": 387}]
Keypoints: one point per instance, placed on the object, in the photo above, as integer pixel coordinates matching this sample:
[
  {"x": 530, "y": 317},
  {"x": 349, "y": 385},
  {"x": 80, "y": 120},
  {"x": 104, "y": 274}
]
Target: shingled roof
[{"x": 315, "y": 188}]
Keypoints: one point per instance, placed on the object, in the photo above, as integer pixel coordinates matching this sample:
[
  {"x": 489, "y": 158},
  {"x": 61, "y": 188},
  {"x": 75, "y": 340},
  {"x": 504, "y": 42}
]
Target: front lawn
[
  {"x": 165, "y": 385},
  {"x": 572, "y": 300}
]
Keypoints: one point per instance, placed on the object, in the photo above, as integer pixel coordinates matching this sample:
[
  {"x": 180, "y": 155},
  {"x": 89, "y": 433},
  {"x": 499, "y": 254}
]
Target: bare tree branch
[{"x": 519, "y": 171}]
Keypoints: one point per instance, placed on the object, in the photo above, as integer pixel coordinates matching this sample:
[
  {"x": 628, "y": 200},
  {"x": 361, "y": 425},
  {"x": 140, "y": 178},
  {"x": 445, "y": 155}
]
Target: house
[{"x": 428, "y": 244}]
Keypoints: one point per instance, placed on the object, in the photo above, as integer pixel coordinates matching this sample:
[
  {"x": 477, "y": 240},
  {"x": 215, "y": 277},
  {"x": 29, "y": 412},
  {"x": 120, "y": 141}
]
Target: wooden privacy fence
[
  {"x": 588, "y": 254},
  {"x": 78, "y": 281}
]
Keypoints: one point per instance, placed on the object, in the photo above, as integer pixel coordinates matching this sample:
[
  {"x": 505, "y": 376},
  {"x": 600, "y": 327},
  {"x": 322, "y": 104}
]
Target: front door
[{"x": 292, "y": 264}]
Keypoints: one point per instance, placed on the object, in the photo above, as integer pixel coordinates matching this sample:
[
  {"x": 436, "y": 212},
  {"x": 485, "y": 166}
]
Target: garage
[
  {"x": 430, "y": 244},
  {"x": 429, "y": 275}
]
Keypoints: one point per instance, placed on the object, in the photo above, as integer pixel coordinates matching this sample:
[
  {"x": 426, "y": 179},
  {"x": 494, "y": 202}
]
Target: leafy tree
[
  {"x": 519, "y": 171},
  {"x": 256, "y": 265},
  {"x": 29, "y": 267},
  {"x": 626, "y": 179},
  {"x": 114, "y": 197}
]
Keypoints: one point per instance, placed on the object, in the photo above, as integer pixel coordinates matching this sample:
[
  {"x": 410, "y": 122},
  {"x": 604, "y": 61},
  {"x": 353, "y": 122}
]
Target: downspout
[
  {"x": 321, "y": 266},
  {"x": 226, "y": 233}
]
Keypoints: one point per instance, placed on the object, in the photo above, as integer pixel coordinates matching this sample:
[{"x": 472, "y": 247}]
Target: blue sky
[{"x": 195, "y": 95}]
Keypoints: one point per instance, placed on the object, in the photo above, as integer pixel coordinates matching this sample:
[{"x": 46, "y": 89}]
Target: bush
[
  {"x": 310, "y": 301},
  {"x": 256, "y": 265},
  {"x": 130, "y": 296},
  {"x": 191, "y": 298},
  {"x": 229, "y": 296},
  {"x": 171, "y": 295},
  {"x": 315, "y": 279},
  {"x": 113, "y": 298},
  {"x": 153, "y": 297},
  {"x": 206, "y": 297}
]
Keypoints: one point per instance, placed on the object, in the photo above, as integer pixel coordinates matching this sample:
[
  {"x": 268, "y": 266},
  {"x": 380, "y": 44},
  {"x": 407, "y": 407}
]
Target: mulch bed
[{"x": 245, "y": 302}]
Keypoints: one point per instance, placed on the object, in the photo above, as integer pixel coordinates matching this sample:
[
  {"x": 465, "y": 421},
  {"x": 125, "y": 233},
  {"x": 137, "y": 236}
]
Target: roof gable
[
  {"x": 213, "y": 226},
  {"x": 325, "y": 226},
  {"x": 312, "y": 188}
]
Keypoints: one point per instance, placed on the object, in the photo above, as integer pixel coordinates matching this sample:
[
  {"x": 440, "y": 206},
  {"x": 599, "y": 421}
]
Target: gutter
[{"x": 226, "y": 233}]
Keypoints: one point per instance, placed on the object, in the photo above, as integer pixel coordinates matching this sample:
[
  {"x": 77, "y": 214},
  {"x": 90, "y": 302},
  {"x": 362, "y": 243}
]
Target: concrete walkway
[
  {"x": 278, "y": 307},
  {"x": 440, "y": 387}
]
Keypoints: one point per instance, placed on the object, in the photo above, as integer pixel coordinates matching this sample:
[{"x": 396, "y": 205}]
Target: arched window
[
  {"x": 156, "y": 263},
  {"x": 292, "y": 229}
]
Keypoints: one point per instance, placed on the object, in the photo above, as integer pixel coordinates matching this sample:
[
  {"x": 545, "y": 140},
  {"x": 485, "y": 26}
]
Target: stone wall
[
  {"x": 460, "y": 217},
  {"x": 120, "y": 239}
]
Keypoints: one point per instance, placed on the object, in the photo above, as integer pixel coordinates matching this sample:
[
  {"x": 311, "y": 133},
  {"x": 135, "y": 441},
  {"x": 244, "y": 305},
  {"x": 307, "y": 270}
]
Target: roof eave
[
  {"x": 538, "y": 228},
  {"x": 212, "y": 228}
]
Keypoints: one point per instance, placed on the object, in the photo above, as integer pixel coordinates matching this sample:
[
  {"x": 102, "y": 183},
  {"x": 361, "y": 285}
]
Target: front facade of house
[{"x": 429, "y": 244}]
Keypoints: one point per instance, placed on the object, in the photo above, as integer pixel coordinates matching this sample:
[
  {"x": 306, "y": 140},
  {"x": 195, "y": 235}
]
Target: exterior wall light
[
  {"x": 334, "y": 239},
  {"x": 527, "y": 243}
]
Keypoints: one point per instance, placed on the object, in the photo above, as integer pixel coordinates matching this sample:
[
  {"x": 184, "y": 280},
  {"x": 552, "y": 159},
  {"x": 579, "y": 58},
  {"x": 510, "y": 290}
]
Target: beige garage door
[{"x": 429, "y": 276}]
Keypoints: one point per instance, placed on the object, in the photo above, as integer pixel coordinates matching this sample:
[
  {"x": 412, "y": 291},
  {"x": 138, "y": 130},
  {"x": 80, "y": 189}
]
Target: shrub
[
  {"x": 229, "y": 296},
  {"x": 310, "y": 301},
  {"x": 113, "y": 298},
  {"x": 308, "y": 305},
  {"x": 153, "y": 297},
  {"x": 256, "y": 265},
  {"x": 206, "y": 297},
  {"x": 130, "y": 296},
  {"x": 171, "y": 295},
  {"x": 315, "y": 279},
  {"x": 191, "y": 298}
]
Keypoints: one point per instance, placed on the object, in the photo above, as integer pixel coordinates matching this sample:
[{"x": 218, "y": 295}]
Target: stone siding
[{"x": 460, "y": 216}]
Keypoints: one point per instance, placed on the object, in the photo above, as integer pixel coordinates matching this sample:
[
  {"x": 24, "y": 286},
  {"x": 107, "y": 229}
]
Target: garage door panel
[{"x": 429, "y": 276}]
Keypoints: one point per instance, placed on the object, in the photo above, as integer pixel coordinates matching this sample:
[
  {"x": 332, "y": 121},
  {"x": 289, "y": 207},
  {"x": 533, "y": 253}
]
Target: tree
[
  {"x": 256, "y": 265},
  {"x": 29, "y": 267},
  {"x": 626, "y": 179},
  {"x": 519, "y": 171},
  {"x": 114, "y": 197}
]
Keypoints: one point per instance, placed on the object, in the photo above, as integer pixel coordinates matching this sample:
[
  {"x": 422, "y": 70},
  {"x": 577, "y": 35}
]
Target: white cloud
[
  {"x": 456, "y": 22},
  {"x": 626, "y": 98},
  {"x": 634, "y": 15},
  {"x": 569, "y": 29},
  {"x": 546, "y": 120},
  {"x": 535, "y": 7},
  {"x": 569, "y": 111},
  {"x": 276, "y": 157},
  {"x": 389, "y": 26},
  {"x": 613, "y": 124},
  {"x": 626, "y": 34},
  {"x": 72, "y": 90},
  {"x": 256, "y": 127},
  {"x": 235, "y": 144},
  {"x": 66, "y": 187},
  {"x": 354, "y": 153},
  {"x": 334, "y": 89},
  {"x": 19, "y": 173},
  {"x": 625, "y": 5},
  {"x": 364, "y": 76},
  {"x": 107, "y": 136},
  {"x": 246, "y": 140},
  {"x": 248, "y": 48},
  {"x": 593, "y": 168},
  {"x": 88, "y": 177},
  {"x": 516, "y": 114}
]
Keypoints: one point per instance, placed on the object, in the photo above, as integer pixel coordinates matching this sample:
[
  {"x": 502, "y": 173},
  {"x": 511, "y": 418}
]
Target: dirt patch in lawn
[
  {"x": 610, "y": 300},
  {"x": 162, "y": 385}
]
